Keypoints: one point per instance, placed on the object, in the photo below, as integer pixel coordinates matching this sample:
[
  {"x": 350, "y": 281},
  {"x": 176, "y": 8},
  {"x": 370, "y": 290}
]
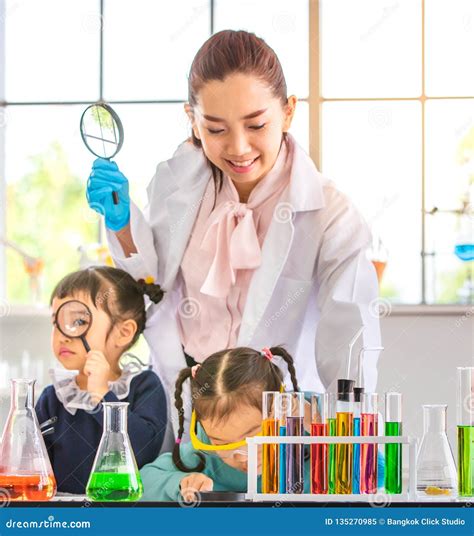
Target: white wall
[{"x": 421, "y": 354}]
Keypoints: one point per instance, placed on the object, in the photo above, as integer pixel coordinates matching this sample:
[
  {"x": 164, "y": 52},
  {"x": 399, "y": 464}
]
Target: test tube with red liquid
[
  {"x": 368, "y": 452},
  {"x": 319, "y": 452}
]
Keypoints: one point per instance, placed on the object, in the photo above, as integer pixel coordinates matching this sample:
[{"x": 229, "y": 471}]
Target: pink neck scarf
[{"x": 231, "y": 237}]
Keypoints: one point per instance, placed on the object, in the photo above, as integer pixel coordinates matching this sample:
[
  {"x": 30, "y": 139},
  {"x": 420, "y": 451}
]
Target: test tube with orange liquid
[{"x": 270, "y": 427}]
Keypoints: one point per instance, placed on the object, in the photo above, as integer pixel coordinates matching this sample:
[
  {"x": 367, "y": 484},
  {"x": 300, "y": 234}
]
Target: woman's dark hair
[
  {"x": 228, "y": 52},
  {"x": 224, "y": 381},
  {"x": 114, "y": 291}
]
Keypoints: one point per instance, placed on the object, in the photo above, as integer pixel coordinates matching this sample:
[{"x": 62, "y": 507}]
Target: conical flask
[
  {"x": 25, "y": 469},
  {"x": 114, "y": 475},
  {"x": 436, "y": 470}
]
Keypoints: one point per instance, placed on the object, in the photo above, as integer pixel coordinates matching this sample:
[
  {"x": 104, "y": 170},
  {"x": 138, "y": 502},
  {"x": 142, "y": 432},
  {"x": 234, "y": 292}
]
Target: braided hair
[{"x": 225, "y": 380}]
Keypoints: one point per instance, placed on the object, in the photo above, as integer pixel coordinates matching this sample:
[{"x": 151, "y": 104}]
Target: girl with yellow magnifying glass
[{"x": 226, "y": 394}]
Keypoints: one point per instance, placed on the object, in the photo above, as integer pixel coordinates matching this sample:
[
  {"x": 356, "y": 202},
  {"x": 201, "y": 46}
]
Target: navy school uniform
[{"x": 73, "y": 445}]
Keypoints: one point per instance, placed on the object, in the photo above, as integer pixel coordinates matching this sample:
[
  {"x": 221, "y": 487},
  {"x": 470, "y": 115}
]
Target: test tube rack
[{"x": 377, "y": 498}]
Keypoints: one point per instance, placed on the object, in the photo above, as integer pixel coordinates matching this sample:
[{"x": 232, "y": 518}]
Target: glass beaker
[
  {"x": 436, "y": 470},
  {"x": 465, "y": 421},
  {"x": 25, "y": 469},
  {"x": 114, "y": 475}
]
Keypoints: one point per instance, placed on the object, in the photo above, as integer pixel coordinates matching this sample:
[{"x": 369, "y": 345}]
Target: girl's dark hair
[
  {"x": 228, "y": 52},
  {"x": 225, "y": 380},
  {"x": 114, "y": 291}
]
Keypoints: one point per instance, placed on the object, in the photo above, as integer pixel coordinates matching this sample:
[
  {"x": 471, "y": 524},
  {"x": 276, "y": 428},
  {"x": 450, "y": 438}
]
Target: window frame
[{"x": 315, "y": 102}]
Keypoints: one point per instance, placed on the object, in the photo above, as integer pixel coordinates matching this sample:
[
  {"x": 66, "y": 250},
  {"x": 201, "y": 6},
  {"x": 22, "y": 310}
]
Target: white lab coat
[{"x": 311, "y": 292}]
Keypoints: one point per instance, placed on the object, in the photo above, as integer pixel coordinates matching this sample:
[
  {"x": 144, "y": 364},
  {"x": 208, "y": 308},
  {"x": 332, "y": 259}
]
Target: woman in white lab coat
[{"x": 234, "y": 276}]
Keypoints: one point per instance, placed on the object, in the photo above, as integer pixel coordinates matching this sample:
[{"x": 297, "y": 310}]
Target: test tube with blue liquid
[
  {"x": 356, "y": 457},
  {"x": 283, "y": 408}
]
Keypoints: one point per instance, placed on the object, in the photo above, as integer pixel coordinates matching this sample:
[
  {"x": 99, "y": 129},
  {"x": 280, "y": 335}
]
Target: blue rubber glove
[{"x": 104, "y": 179}]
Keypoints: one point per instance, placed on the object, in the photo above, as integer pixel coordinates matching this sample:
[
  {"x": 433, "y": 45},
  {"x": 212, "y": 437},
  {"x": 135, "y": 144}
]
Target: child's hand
[
  {"x": 195, "y": 482},
  {"x": 97, "y": 370}
]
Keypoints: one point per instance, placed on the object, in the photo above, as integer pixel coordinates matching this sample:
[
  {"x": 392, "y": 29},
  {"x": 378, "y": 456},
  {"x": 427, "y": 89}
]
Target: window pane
[
  {"x": 449, "y": 152},
  {"x": 152, "y": 134},
  {"x": 449, "y": 279},
  {"x": 47, "y": 217},
  {"x": 52, "y": 50},
  {"x": 149, "y": 46},
  {"x": 283, "y": 25},
  {"x": 450, "y": 195},
  {"x": 449, "y": 46},
  {"x": 372, "y": 151},
  {"x": 371, "y": 48}
]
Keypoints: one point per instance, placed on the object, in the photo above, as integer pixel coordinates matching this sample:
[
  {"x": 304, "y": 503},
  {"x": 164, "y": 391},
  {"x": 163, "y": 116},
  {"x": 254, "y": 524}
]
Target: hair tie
[
  {"x": 266, "y": 352},
  {"x": 178, "y": 440},
  {"x": 194, "y": 370}
]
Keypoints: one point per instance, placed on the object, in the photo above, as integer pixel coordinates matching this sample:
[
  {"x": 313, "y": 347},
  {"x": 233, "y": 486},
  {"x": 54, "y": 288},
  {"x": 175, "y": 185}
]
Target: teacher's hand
[{"x": 104, "y": 179}]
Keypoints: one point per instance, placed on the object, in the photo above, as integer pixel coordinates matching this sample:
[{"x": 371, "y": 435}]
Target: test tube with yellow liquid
[{"x": 344, "y": 427}]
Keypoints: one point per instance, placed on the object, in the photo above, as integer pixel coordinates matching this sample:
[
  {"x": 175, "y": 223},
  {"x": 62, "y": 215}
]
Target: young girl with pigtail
[
  {"x": 226, "y": 394},
  {"x": 109, "y": 306}
]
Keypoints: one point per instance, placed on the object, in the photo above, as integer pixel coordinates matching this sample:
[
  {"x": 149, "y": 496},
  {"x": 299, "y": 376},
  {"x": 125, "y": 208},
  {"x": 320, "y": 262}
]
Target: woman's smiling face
[{"x": 240, "y": 125}]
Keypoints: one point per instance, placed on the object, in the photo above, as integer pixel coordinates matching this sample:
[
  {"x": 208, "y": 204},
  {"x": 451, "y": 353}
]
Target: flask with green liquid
[{"x": 114, "y": 475}]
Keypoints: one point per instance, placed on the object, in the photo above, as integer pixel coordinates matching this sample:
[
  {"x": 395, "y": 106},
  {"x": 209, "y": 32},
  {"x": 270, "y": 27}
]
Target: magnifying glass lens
[
  {"x": 74, "y": 319},
  {"x": 101, "y": 130}
]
